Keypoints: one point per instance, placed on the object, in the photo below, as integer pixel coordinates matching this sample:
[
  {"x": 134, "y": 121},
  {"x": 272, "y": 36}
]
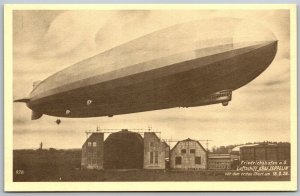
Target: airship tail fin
[
  {"x": 24, "y": 100},
  {"x": 36, "y": 115}
]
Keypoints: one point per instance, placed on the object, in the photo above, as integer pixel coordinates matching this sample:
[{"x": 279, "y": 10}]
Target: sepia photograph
[{"x": 151, "y": 95}]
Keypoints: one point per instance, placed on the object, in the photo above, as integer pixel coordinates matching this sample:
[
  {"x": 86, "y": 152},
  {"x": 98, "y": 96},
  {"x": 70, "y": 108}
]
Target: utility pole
[{"x": 41, "y": 146}]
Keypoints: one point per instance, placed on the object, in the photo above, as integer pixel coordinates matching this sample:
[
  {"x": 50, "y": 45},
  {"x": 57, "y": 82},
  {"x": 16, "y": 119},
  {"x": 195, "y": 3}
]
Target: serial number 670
[{"x": 20, "y": 172}]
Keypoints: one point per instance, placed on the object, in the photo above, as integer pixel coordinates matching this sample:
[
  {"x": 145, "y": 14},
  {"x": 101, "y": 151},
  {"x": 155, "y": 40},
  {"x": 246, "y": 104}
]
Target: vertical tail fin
[{"x": 36, "y": 115}]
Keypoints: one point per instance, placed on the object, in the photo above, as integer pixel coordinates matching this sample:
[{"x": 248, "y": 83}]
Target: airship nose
[{"x": 249, "y": 31}]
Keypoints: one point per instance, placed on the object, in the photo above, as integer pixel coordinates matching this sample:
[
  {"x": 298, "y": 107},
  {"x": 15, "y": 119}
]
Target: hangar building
[
  {"x": 269, "y": 152},
  {"x": 124, "y": 150}
]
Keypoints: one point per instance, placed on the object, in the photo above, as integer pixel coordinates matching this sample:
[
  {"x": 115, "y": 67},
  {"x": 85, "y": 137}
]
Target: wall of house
[
  {"x": 167, "y": 155},
  {"x": 189, "y": 159},
  {"x": 154, "y": 152},
  {"x": 92, "y": 152},
  {"x": 167, "y": 151},
  {"x": 219, "y": 163},
  {"x": 272, "y": 153}
]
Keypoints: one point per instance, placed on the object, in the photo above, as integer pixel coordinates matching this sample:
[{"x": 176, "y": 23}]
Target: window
[
  {"x": 183, "y": 151},
  {"x": 192, "y": 151},
  {"x": 89, "y": 144},
  {"x": 156, "y": 157},
  {"x": 197, "y": 160},
  {"x": 151, "y": 157},
  {"x": 177, "y": 160},
  {"x": 151, "y": 144},
  {"x": 94, "y": 144}
]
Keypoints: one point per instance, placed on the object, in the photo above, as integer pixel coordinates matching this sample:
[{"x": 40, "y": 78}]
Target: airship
[{"x": 189, "y": 64}]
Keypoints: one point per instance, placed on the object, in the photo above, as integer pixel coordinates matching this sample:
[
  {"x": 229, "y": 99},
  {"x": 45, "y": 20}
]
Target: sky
[{"x": 45, "y": 42}]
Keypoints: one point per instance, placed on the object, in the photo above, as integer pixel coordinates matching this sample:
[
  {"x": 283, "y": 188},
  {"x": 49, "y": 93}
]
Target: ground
[{"x": 64, "y": 165}]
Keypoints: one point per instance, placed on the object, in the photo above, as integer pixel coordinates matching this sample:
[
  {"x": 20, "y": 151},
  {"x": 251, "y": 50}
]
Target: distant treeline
[
  {"x": 215, "y": 149},
  {"x": 227, "y": 149},
  {"x": 48, "y": 150}
]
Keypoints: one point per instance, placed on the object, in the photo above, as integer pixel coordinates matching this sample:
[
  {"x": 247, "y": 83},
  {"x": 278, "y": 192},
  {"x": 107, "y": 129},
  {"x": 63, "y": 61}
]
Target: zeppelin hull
[{"x": 181, "y": 84}]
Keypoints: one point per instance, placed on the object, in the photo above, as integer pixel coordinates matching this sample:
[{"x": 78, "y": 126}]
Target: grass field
[{"x": 64, "y": 165}]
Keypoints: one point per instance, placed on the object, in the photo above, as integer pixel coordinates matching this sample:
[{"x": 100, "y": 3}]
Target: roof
[
  {"x": 94, "y": 137},
  {"x": 261, "y": 145},
  {"x": 166, "y": 145},
  {"x": 218, "y": 156},
  {"x": 124, "y": 134},
  {"x": 154, "y": 134},
  {"x": 188, "y": 140},
  {"x": 237, "y": 148}
]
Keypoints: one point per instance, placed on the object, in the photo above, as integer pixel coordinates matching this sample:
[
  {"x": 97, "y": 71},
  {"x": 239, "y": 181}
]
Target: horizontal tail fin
[
  {"x": 24, "y": 100},
  {"x": 36, "y": 115}
]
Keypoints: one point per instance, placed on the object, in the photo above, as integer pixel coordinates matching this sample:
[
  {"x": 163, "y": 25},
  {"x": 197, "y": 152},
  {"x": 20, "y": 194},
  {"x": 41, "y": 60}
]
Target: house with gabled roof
[{"x": 188, "y": 154}]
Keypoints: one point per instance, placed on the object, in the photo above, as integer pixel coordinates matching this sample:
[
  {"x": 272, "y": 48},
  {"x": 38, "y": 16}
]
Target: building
[
  {"x": 167, "y": 154},
  {"x": 188, "y": 154},
  {"x": 92, "y": 152},
  {"x": 155, "y": 152},
  {"x": 222, "y": 161},
  {"x": 267, "y": 151},
  {"x": 124, "y": 150}
]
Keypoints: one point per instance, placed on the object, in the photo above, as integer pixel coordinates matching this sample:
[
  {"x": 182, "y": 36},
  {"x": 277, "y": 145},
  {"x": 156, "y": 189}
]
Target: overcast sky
[{"x": 48, "y": 41}]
